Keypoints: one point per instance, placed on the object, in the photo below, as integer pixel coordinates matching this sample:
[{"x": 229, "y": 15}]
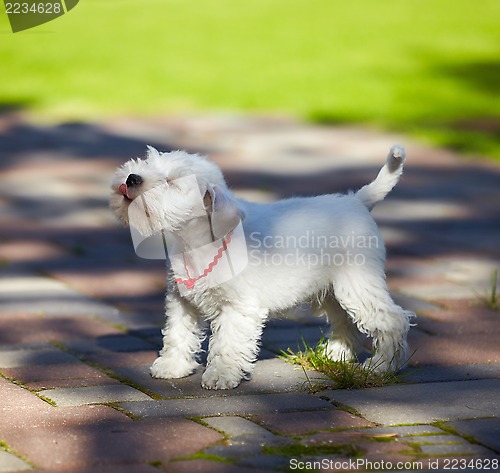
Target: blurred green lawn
[{"x": 430, "y": 68}]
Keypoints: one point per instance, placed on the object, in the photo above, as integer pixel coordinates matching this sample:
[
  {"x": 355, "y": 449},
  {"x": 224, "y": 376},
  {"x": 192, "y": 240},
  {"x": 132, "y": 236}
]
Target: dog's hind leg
[
  {"x": 362, "y": 292},
  {"x": 182, "y": 338},
  {"x": 344, "y": 338}
]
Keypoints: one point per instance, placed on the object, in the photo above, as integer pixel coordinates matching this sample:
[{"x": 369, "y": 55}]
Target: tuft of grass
[
  {"x": 490, "y": 298},
  {"x": 493, "y": 301},
  {"x": 204, "y": 456},
  {"x": 342, "y": 374}
]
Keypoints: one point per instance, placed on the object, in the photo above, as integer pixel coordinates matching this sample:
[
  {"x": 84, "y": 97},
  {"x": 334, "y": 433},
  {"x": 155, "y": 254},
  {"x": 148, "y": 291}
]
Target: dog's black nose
[{"x": 133, "y": 180}]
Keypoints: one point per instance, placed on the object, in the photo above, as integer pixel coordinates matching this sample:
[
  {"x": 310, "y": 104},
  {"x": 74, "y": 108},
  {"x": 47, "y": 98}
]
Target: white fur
[{"x": 286, "y": 266}]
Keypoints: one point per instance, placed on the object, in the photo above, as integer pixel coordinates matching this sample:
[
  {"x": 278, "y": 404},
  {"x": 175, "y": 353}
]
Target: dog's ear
[
  {"x": 223, "y": 209},
  {"x": 151, "y": 151}
]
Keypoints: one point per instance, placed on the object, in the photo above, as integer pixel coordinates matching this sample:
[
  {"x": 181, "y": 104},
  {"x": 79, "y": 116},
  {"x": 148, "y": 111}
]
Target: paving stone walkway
[{"x": 80, "y": 314}]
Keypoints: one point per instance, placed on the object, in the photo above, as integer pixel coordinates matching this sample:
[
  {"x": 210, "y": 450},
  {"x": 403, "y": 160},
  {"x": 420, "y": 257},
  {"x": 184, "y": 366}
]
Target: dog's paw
[
  {"x": 337, "y": 351},
  {"x": 167, "y": 368},
  {"x": 375, "y": 364},
  {"x": 379, "y": 364},
  {"x": 211, "y": 380}
]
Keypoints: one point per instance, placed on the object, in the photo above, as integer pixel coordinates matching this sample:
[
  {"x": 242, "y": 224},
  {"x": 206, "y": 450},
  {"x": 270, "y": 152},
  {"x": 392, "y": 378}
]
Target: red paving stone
[
  {"x": 48, "y": 416},
  {"x": 30, "y": 250},
  {"x": 130, "y": 282},
  {"x": 91, "y": 441},
  {"x": 465, "y": 349},
  {"x": 16, "y": 401},
  {"x": 464, "y": 332},
  {"x": 13, "y": 328},
  {"x": 71, "y": 383},
  {"x": 120, "y": 468},
  {"x": 111, "y": 360},
  {"x": 58, "y": 376},
  {"x": 299, "y": 423},
  {"x": 467, "y": 319},
  {"x": 33, "y": 373},
  {"x": 488, "y": 328}
]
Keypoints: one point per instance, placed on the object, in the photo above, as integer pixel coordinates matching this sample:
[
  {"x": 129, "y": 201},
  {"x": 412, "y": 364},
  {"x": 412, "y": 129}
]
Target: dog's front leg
[
  {"x": 182, "y": 338},
  {"x": 233, "y": 347}
]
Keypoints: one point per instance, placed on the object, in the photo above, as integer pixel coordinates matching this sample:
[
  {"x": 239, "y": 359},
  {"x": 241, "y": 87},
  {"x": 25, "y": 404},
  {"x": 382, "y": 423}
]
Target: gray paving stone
[
  {"x": 46, "y": 356},
  {"x": 405, "y": 430},
  {"x": 48, "y": 296},
  {"x": 395, "y": 236},
  {"x": 436, "y": 439},
  {"x": 475, "y": 272},
  {"x": 281, "y": 340},
  {"x": 235, "y": 452},
  {"x": 249, "y": 455},
  {"x": 94, "y": 395},
  {"x": 412, "y": 303},
  {"x": 294, "y": 334},
  {"x": 455, "y": 449},
  {"x": 423, "y": 403},
  {"x": 430, "y": 374},
  {"x": 484, "y": 431},
  {"x": 11, "y": 463},
  {"x": 403, "y": 209},
  {"x": 263, "y": 462},
  {"x": 224, "y": 404},
  {"x": 26, "y": 346},
  {"x": 28, "y": 284},
  {"x": 299, "y": 315},
  {"x": 430, "y": 292},
  {"x": 140, "y": 320},
  {"x": 115, "y": 343},
  {"x": 268, "y": 376},
  {"x": 58, "y": 306},
  {"x": 243, "y": 431}
]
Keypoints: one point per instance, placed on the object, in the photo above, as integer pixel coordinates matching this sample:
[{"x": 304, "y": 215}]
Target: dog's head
[{"x": 170, "y": 191}]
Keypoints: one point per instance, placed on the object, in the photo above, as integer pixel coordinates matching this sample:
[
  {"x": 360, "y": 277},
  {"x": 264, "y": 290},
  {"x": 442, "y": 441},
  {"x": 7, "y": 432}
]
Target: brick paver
[
  {"x": 47, "y": 329},
  {"x": 226, "y": 404},
  {"x": 9, "y": 462},
  {"x": 80, "y": 314},
  {"x": 93, "y": 395},
  {"x": 424, "y": 403},
  {"x": 300, "y": 423}
]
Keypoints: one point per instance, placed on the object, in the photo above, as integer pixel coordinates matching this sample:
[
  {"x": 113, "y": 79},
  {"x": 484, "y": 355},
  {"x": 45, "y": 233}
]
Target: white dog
[{"x": 325, "y": 250}]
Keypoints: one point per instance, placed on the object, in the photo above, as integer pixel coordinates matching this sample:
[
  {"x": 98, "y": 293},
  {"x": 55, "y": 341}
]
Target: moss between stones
[{"x": 299, "y": 450}]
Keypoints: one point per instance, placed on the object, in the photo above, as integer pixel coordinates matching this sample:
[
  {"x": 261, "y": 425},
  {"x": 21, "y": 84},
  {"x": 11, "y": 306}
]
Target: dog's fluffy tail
[{"x": 387, "y": 178}]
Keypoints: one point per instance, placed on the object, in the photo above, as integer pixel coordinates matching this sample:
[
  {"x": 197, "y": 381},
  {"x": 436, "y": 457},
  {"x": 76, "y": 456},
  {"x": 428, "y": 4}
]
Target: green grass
[
  {"x": 298, "y": 450},
  {"x": 427, "y": 68},
  {"x": 491, "y": 299},
  {"x": 343, "y": 374}
]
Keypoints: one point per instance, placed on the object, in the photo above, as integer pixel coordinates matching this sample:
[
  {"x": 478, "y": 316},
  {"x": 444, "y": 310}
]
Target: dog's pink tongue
[{"x": 123, "y": 190}]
